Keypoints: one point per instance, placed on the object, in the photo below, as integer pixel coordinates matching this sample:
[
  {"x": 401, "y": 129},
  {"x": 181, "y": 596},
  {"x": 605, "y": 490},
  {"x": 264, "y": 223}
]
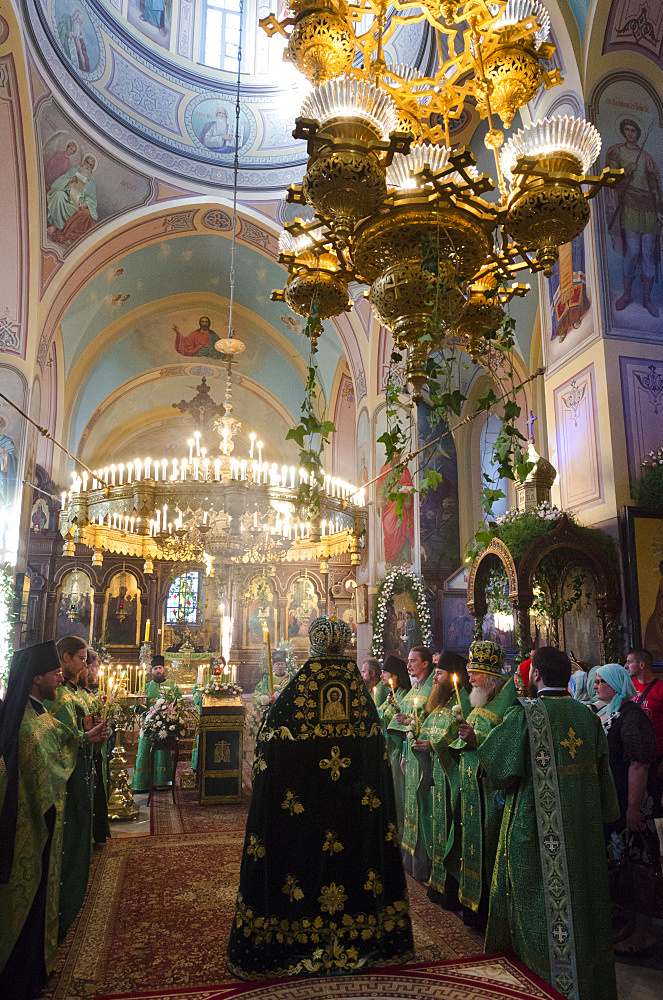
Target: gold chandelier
[{"x": 385, "y": 183}]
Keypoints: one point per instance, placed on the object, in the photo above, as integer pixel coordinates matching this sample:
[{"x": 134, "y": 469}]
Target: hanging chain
[{"x": 235, "y": 170}]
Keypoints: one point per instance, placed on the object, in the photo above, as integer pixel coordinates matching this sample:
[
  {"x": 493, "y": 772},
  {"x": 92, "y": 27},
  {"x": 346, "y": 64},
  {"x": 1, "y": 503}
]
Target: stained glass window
[{"x": 184, "y": 598}]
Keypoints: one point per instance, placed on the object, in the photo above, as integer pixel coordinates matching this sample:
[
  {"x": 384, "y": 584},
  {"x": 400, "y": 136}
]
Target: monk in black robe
[{"x": 322, "y": 890}]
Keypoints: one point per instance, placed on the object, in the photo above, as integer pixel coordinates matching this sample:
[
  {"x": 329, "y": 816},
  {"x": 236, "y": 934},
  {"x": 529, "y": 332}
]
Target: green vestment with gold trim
[
  {"x": 418, "y": 789},
  {"x": 549, "y": 899},
  {"x": 163, "y": 759},
  {"x": 322, "y": 889},
  {"x": 70, "y": 707},
  {"x": 439, "y": 725},
  {"x": 394, "y": 742},
  {"x": 43, "y": 770},
  {"x": 476, "y": 813},
  {"x": 262, "y": 687}
]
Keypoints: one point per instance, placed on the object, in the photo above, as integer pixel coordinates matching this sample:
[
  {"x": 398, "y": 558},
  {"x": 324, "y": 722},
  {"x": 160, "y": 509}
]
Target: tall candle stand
[{"x": 121, "y": 805}]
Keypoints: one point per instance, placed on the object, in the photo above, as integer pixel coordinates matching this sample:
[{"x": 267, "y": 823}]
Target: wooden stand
[{"x": 220, "y": 750}]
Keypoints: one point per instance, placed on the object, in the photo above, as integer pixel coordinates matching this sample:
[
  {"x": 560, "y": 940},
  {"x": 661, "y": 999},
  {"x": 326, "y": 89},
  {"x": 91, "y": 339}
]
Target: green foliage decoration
[
  {"x": 311, "y": 433},
  {"x": 647, "y": 490}
]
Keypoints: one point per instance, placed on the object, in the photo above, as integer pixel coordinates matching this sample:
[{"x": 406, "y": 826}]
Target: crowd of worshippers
[
  {"x": 517, "y": 792},
  {"x": 508, "y": 794},
  {"x": 54, "y": 755}
]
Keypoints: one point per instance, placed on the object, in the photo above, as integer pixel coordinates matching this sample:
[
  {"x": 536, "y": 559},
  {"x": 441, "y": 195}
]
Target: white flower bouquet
[
  {"x": 218, "y": 686},
  {"x": 165, "y": 719}
]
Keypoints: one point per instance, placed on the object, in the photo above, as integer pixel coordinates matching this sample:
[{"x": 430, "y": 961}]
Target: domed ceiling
[{"x": 143, "y": 85}]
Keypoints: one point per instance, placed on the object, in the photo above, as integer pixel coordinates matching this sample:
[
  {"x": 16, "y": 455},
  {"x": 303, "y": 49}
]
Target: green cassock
[
  {"x": 70, "y": 708},
  {"x": 163, "y": 761},
  {"x": 380, "y": 694},
  {"x": 387, "y": 711},
  {"x": 475, "y": 811},
  {"x": 198, "y": 702},
  {"x": 100, "y": 825},
  {"x": 549, "y": 899},
  {"x": 43, "y": 771},
  {"x": 418, "y": 789},
  {"x": 439, "y": 725}
]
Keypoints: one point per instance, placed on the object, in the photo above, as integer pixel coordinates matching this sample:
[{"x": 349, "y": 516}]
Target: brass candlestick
[{"x": 121, "y": 805}]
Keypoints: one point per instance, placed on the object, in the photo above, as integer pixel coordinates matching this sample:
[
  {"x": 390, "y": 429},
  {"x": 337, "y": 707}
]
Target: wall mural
[
  {"x": 152, "y": 18},
  {"x": 632, "y": 212},
  {"x": 302, "y": 609},
  {"x": 77, "y": 35},
  {"x": 12, "y": 438},
  {"x": 213, "y": 125},
  {"x": 438, "y": 511},
  {"x": 83, "y": 186},
  {"x": 571, "y": 318},
  {"x": 395, "y": 535},
  {"x": 636, "y": 25}
]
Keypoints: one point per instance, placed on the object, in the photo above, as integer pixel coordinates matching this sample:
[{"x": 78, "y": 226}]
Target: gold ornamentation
[
  {"x": 322, "y": 42},
  {"x": 572, "y": 742},
  {"x": 335, "y": 763},
  {"x": 373, "y": 883},
  {"x": 515, "y": 75},
  {"x": 256, "y": 848},
  {"x": 390, "y": 835},
  {"x": 331, "y": 843},
  {"x": 291, "y": 888},
  {"x": 370, "y": 799},
  {"x": 332, "y": 898},
  {"x": 222, "y": 752},
  {"x": 291, "y": 803},
  {"x": 259, "y": 764}
]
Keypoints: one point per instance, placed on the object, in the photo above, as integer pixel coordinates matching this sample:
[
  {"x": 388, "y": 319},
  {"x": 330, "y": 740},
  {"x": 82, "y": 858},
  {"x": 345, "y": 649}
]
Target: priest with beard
[
  {"x": 475, "y": 808},
  {"x": 158, "y": 687},
  {"x": 322, "y": 890},
  {"x": 549, "y": 899},
  {"x": 33, "y": 781},
  {"x": 441, "y": 722}
]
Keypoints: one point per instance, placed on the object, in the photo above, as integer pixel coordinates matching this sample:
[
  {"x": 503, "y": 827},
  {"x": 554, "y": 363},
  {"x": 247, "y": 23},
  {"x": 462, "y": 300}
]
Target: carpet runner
[
  {"x": 487, "y": 977},
  {"x": 158, "y": 912}
]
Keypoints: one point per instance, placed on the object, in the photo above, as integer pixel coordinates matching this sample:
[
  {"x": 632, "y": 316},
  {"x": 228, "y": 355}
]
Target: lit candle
[
  {"x": 196, "y": 434},
  {"x": 121, "y": 471},
  {"x": 265, "y": 632},
  {"x": 147, "y": 630},
  {"x": 375, "y": 692},
  {"x": 259, "y": 443},
  {"x": 148, "y": 462},
  {"x": 190, "y": 444},
  {"x": 457, "y": 693},
  {"x": 113, "y": 470},
  {"x": 164, "y": 467},
  {"x": 416, "y": 710}
]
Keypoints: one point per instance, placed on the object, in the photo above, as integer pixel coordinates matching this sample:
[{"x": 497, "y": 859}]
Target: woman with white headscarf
[{"x": 632, "y": 747}]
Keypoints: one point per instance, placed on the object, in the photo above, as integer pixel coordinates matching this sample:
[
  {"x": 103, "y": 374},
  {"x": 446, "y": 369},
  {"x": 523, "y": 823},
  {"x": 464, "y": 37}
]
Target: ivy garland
[
  {"x": 7, "y": 619},
  {"x": 407, "y": 581}
]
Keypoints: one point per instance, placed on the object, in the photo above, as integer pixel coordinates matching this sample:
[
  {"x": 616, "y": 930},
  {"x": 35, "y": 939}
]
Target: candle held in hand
[
  {"x": 458, "y": 694},
  {"x": 265, "y": 632}
]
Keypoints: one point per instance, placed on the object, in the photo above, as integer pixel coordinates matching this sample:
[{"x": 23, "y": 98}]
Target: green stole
[
  {"x": 70, "y": 708},
  {"x": 439, "y": 725},
  {"x": 387, "y": 711},
  {"x": 472, "y": 844},
  {"x": 417, "y": 792},
  {"x": 552, "y": 849},
  {"x": 163, "y": 766},
  {"x": 42, "y": 782}
]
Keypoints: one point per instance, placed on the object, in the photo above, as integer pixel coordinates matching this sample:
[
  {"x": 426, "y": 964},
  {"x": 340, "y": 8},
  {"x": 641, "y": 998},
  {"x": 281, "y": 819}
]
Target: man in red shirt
[{"x": 649, "y": 696}]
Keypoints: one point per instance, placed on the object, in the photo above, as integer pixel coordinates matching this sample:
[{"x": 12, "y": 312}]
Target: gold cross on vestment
[
  {"x": 335, "y": 763},
  {"x": 572, "y": 742}
]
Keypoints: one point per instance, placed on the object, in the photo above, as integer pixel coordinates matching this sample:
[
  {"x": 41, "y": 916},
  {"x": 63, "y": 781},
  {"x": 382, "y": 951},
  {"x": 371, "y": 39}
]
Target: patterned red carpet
[
  {"x": 158, "y": 910},
  {"x": 492, "y": 977}
]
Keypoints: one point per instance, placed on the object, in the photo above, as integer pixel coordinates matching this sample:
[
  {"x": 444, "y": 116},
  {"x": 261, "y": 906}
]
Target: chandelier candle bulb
[
  {"x": 259, "y": 445},
  {"x": 148, "y": 462},
  {"x": 196, "y": 435}
]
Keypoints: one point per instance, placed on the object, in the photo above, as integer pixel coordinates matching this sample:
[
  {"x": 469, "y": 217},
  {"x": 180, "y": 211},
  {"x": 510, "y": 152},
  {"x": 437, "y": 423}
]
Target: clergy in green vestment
[
  {"x": 72, "y": 709},
  {"x": 372, "y": 674},
  {"x": 441, "y": 722},
  {"x": 322, "y": 890},
  {"x": 100, "y": 824},
  {"x": 416, "y": 840},
  {"x": 280, "y": 673},
  {"x": 157, "y": 687},
  {"x": 33, "y": 781},
  {"x": 549, "y": 899},
  {"x": 476, "y": 810},
  {"x": 397, "y": 683}
]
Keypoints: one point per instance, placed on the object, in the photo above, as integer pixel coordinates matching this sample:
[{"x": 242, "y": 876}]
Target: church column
[{"x": 97, "y": 628}]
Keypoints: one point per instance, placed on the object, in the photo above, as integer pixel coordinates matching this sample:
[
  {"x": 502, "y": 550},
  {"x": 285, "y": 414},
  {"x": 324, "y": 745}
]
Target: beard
[
  {"x": 439, "y": 695},
  {"x": 479, "y": 696}
]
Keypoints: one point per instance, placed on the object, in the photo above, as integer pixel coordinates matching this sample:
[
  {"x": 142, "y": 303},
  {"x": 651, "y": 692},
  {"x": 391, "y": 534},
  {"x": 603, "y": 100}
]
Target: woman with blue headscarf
[{"x": 632, "y": 747}]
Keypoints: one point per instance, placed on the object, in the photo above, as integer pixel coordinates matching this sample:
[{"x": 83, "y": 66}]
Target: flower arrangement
[
  {"x": 648, "y": 489},
  {"x": 544, "y": 512},
  {"x": 166, "y": 718},
  {"x": 216, "y": 685},
  {"x": 397, "y": 581}
]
